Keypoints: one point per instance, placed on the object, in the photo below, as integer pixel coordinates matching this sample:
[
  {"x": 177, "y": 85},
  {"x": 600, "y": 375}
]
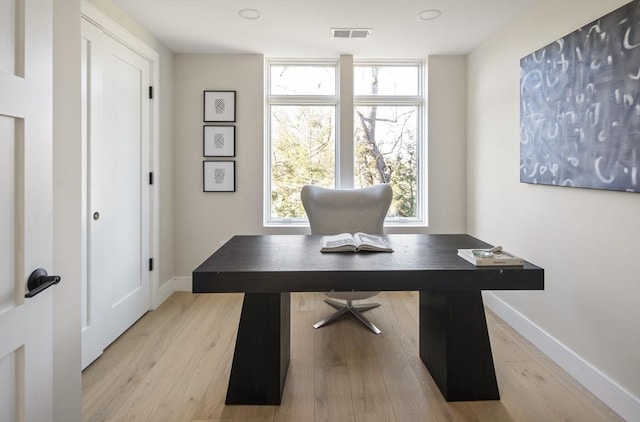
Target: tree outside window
[{"x": 302, "y": 151}]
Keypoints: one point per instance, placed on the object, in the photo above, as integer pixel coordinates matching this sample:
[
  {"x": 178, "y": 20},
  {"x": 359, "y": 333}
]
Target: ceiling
[{"x": 302, "y": 28}]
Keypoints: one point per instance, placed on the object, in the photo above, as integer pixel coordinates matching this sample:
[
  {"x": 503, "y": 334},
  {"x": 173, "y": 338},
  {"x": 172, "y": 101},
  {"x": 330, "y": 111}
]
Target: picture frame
[
  {"x": 219, "y": 176},
  {"x": 219, "y": 106},
  {"x": 219, "y": 141}
]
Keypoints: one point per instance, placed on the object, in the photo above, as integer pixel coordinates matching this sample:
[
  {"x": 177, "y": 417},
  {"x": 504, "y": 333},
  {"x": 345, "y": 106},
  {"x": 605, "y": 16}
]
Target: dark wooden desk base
[
  {"x": 261, "y": 357},
  {"x": 454, "y": 346}
]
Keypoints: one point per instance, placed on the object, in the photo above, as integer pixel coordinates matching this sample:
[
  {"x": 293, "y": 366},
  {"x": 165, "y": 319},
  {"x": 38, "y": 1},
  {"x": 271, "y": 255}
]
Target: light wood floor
[{"x": 173, "y": 365}]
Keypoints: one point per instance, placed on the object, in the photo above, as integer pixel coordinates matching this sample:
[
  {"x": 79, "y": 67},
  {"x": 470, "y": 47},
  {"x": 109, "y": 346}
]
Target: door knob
[
  {"x": 96, "y": 215},
  {"x": 39, "y": 280}
]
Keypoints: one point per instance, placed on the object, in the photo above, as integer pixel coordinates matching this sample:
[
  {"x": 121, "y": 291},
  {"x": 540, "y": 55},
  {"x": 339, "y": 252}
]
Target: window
[
  {"x": 301, "y": 147},
  {"x": 304, "y": 142},
  {"x": 387, "y": 132}
]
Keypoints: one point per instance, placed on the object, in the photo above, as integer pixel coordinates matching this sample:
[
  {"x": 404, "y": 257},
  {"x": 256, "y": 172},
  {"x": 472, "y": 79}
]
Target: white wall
[
  {"x": 587, "y": 240},
  {"x": 447, "y": 98},
  {"x": 204, "y": 220}
]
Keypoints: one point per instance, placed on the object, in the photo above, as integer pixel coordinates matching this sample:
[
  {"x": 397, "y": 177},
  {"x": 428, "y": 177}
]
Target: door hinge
[
  {"x": 150, "y": 92},
  {"x": 150, "y": 264},
  {"x": 151, "y": 178}
]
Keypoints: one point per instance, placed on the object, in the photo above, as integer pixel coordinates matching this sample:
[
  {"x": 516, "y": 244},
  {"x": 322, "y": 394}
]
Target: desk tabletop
[{"x": 293, "y": 263}]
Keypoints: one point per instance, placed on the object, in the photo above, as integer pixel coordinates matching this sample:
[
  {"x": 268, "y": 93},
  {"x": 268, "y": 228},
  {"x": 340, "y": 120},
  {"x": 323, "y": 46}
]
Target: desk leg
[
  {"x": 261, "y": 357},
  {"x": 454, "y": 345}
]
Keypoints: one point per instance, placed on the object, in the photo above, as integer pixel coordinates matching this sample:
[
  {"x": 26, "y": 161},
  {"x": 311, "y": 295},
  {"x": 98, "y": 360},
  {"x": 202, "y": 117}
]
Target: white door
[
  {"x": 25, "y": 208},
  {"x": 117, "y": 122}
]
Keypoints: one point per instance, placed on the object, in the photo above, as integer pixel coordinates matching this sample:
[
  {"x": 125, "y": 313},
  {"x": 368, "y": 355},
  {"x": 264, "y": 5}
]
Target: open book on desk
[{"x": 347, "y": 242}]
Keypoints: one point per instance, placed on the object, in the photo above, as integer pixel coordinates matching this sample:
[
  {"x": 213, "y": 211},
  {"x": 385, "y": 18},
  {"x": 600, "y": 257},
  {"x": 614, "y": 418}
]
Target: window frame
[
  {"x": 293, "y": 100},
  {"x": 418, "y": 101},
  {"x": 346, "y": 181}
]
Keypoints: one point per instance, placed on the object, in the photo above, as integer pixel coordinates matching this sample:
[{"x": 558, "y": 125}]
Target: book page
[
  {"x": 338, "y": 243},
  {"x": 367, "y": 241}
]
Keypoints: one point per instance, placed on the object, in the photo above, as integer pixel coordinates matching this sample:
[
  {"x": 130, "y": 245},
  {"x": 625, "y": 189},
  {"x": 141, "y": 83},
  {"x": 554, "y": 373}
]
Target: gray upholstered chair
[{"x": 333, "y": 211}]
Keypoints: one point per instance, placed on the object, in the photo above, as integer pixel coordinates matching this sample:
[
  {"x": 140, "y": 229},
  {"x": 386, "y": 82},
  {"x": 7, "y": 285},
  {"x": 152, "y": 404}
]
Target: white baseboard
[
  {"x": 613, "y": 395},
  {"x": 165, "y": 291},
  {"x": 176, "y": 284},
  {"x": 182, "y": 284}
]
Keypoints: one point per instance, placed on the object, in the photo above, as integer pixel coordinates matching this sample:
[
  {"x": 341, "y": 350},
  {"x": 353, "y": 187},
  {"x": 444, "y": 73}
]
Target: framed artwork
[
  {"x": 219, "y": 176},
  {"x": 579, "y": 118},
  {"x": 219, "y": 141},
  {"x": 219, "y": 106}
]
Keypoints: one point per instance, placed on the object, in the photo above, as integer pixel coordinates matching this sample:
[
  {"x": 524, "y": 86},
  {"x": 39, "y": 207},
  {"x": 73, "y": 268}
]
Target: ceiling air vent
[{"x": 360, "y": 33}]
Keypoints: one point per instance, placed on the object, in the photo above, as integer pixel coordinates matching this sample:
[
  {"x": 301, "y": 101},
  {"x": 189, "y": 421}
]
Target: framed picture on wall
[
  {"x": 579, "y": 114},
  {"x": 219, "y": 106},
  {"x": 219, "y": 141},
  {"x": 219, "y": 176}
]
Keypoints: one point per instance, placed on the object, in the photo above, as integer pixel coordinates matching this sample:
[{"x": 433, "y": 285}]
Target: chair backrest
[{"x": 333, "y": 211}]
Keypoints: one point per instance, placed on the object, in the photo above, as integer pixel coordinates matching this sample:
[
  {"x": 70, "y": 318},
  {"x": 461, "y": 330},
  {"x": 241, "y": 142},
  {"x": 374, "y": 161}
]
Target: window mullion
[
  {"x": 303, "y": 100},
  {"x": 345, "y": 142},
  {"x": 374, "y": 100}
]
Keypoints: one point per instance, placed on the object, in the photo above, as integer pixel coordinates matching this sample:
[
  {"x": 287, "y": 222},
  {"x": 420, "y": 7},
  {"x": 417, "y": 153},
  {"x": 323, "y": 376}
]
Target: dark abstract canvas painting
[{"x": 580, "y": 106}]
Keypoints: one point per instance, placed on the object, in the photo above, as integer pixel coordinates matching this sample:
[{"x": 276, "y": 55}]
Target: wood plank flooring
[{"x": 173, "y": 365}]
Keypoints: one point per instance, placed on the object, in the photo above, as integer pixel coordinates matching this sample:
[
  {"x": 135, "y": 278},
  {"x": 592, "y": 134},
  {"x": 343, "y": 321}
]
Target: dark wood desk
[{"x": 454, "y": 342}]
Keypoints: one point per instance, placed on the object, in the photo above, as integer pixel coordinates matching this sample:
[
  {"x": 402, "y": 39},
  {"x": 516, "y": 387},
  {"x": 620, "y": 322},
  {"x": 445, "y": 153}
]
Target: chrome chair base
[{"x": 355, "y": 310}]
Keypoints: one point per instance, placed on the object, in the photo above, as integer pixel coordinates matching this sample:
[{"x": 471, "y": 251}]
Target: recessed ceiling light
[
  {"x": 251, "y": 14},
  {"x": 429, "y": 14}
]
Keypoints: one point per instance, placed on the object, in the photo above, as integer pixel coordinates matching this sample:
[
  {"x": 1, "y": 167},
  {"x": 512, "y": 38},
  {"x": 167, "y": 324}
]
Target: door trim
[{"x": 114, "y": 30}]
